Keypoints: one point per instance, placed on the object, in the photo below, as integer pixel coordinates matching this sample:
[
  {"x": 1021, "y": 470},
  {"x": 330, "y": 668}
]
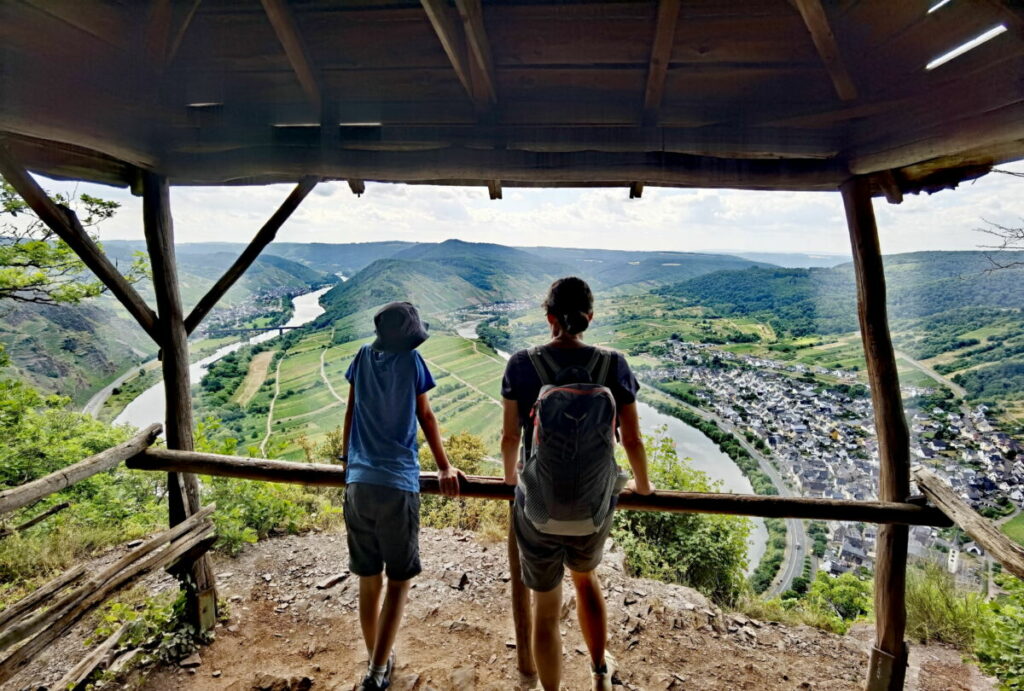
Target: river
[
  {"x": 148, "y": 407},
  {"x": 690, "y": 443}
]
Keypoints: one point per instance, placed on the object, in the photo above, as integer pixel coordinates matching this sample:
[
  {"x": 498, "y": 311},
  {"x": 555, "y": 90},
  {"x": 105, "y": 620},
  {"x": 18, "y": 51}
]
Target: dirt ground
[{"x": 286, "y": 633}]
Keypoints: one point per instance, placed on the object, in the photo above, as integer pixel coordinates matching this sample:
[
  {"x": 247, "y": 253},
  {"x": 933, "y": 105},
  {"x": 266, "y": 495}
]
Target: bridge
[{"x": 252, "y": 329}]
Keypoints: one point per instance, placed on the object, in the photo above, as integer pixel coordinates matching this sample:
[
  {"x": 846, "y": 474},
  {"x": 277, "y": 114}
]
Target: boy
[{"x": 388, "y": 384}]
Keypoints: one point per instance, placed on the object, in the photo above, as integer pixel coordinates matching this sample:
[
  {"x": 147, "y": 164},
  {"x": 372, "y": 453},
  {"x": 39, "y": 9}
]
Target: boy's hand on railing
[
  {"x": 449, "y": 480},
  {"x": 646, "y": 488},
  {"x": 512, "y": 479}
]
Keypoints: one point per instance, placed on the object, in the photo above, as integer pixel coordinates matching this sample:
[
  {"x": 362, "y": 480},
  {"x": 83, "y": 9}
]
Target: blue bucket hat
[{"x": 399, "y": 328}]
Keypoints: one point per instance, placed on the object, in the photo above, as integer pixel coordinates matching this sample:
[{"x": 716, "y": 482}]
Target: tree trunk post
[
  {"x": 183, "y": 488},
  {"x": 887, "y": 667},
  {"x": 522, "y": 614}
]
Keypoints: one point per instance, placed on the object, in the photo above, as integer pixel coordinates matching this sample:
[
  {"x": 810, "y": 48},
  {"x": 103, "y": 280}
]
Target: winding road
[{"x": 958, "y": 391}]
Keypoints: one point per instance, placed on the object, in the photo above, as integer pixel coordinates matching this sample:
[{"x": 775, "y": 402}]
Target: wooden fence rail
[
  {"x": 23, "y": 495},
  {"x": 494, "y": 488},
  {"x": 985, "y": 533}
]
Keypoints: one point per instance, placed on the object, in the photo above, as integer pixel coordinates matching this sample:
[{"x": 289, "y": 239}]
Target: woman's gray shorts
[
  {"x": 544, "y": 556},
  {"x": 383, "y": 526}
]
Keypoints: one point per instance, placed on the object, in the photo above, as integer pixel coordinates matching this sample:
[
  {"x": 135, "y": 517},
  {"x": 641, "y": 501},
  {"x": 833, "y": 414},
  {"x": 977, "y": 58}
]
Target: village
[{"x": 822, "y": 442}]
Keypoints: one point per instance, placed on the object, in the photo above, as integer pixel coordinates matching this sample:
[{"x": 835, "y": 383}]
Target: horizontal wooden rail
[
  {"x": 23, "y": 495},
  {"x": 495, "y": 488},
  {"x": 985, "y": 533}
]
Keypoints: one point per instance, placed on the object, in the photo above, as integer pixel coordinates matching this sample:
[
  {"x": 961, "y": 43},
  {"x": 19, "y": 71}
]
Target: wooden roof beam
[
  {"x": 494, "y": 189},
  {"x": 661, "y": 55},
  {"x": 467, "y": 48},
  {"x": 283, "y": 22},
  {"x": 358, "y": 187},
  {"x": 636, "y": 190},
  {"x": 825, "y": 42}
]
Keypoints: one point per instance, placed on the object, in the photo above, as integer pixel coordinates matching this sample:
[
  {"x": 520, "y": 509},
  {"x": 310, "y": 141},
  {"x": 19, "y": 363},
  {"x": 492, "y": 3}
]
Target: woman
[{"x": 544, "y": 556}]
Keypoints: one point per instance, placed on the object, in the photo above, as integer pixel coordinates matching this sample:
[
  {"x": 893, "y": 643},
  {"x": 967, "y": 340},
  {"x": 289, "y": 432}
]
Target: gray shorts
[
  {"x": 383, "y": 527},
  {"x": 544, "y": 557}
]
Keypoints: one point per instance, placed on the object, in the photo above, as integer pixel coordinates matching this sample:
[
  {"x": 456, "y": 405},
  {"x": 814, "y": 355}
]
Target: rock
[
  {"x": 270, "y": 682},
  {"x": 268, "y": 577},
  {"x": 406, "y": 682},
  {"x": 331, "y": 581},
  {"x": 216, "y": 673},
  {"x": 135, "y": 543},
  {"x": 464, "y": 679},
  {"x": 192, "y": 660},
  {"x": 456, "y": 579}
]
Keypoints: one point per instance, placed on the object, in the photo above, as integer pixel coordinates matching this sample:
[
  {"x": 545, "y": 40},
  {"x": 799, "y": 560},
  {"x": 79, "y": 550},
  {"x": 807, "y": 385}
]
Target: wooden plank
[
  {"x": 494, "y": 189},
  {"x": 825, "y": 42},
  {"x": 291, "y": 40},
  {"x": 478, "y": 52},
  {"x": 40, "y": 595},
  {"x": 358, "y": 187},
  {"x": 453, "y": 41},
  {"x": 522, "y": 609},
  {"x": 99, "y": 20},
  {"x": 321, "y": 474},
  {"x": 892, "y": 433},
  {"x": 178, "y": 35},
  {"x": 890, "y": 187},
  {"x": 156, "y": 35},
  {"x": 636, "y": 190},
  {"x": 65, "y": 224},
  {"x": 35, "y": 520},
  {"x": 183, "y": 489},
  {"x": 263, "y": 238},
  {"x": 984, "y": 532},
  {"x": 661, "y": 56},
  {"x": 93, "y": 659},
  {"x": 23, "y": 495}
]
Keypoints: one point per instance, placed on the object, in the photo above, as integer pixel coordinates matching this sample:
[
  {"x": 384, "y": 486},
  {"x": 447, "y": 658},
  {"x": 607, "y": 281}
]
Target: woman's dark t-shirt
[{"x": 521, "y": 383}]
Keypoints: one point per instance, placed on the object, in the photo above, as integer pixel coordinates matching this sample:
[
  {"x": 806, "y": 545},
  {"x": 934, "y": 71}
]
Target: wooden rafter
[
  {"x": 636, "y": 190},
  {"x": 825, "y": 42},
  {"x": 63, "y": 221},
  {"x": 358, "y": 187},
  {"x": 263, "y": 238},
  {"x": 288, "y": 34},
  {"x": 661, "y": 55},
  {"x": 157, "y": 34},
  {"x": 466, "y": 46},
  {"x": 179, "y": 34},
  {"x": 494, "y": 189}
]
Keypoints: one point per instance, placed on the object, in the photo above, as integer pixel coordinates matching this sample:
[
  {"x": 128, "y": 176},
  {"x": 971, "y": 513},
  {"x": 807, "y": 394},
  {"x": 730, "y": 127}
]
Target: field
[{"x": 1014, "y": 528}]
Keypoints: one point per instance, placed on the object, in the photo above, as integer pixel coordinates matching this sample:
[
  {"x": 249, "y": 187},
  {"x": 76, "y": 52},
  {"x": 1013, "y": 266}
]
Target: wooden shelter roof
[{"x": 756, "y": 94}]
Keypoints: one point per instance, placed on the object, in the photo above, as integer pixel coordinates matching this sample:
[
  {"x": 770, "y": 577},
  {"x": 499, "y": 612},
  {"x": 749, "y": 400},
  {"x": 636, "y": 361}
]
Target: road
[
  {"x": 798, "y": 545},
  {"x": 958, "y": 391},
  {"x": 95, "y": 403}
]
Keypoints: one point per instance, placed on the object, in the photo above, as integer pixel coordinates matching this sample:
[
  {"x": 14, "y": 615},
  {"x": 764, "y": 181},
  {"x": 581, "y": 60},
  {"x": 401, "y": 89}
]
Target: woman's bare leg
[
  {"x": 547, "y": 639},
  {"x": 593, "y": 616}
]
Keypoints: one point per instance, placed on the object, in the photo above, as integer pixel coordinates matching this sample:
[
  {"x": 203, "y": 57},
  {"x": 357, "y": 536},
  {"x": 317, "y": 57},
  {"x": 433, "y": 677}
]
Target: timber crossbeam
[
  {"x": 323, "y": 474},
  {"x": 984, "y": 532}
]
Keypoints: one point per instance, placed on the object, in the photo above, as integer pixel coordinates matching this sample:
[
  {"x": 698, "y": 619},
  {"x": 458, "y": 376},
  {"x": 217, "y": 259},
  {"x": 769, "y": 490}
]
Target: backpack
[{"x": 569, "y": 478}]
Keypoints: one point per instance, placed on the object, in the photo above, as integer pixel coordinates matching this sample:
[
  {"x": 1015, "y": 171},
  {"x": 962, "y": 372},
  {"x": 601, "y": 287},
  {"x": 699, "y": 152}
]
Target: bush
[
  {"x": 703, "y": 551},
  {"x": 937, "y": 610},
  {"x": 468, "y": 453},
  {"x": 998, "y": 641}
]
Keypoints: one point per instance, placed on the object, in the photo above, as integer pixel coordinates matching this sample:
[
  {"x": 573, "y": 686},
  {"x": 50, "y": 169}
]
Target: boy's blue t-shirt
[{"x": 383, "y": 449}]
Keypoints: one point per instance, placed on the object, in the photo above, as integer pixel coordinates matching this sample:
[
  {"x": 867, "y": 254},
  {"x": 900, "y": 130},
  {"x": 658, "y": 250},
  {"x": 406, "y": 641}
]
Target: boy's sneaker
[
  {"x": 603, "y": 677},
  {"x": 371, "y": 684}
]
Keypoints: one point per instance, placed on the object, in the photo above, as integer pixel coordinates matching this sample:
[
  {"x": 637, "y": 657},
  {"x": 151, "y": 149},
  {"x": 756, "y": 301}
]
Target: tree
[{"x": 36, "y": 266}]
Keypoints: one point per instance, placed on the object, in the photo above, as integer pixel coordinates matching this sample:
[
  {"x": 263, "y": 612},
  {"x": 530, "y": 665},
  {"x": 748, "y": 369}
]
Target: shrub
[
  {"x": 937, "y": 610},
  {"x": 468, "y": 453},
  {"x": 703, "y": 551},
  {"x": 998, "y": 642}
]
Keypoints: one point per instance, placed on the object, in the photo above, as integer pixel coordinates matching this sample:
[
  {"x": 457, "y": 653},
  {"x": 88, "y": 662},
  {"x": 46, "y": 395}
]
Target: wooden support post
[
  {"x": 888, "y": 664},
  {"x": 522, "y": 612},
  {"x": 183, "y": 488},
  {"x": 263, "y": 238}
]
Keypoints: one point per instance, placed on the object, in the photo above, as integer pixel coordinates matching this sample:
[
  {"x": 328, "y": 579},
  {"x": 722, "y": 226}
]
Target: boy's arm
[
  {"x": 633, "y": 443},
  {"x": 447, "y": 474},
  {"x": 346, "y": 432},
  {"x": 511, "y": 435}
]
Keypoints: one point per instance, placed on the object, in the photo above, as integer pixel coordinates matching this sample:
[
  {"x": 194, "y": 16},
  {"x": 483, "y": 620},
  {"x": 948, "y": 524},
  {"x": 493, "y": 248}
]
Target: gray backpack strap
[
  {"x": 539, "y": 358},
  {"x": 603, "y": 360}
]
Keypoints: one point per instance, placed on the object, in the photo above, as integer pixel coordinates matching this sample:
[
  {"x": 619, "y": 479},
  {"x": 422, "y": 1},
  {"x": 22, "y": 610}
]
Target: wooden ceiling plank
[
  {"x": 452, "y": 40},
  {"x": 661, "y": 55},
  {"x": 636, "y": 190},
  {"x": 494, "y": 189},
  {"x": 825, "y": 42},
  {"x": 283, "y": 22},
  {"x": 157, "y": 34},
  {"x": 479, "y": 52},
  {"x": 179, "y": 34},
  {"x": 358, "y": 187},
  {"x": 95, "y": 19}
]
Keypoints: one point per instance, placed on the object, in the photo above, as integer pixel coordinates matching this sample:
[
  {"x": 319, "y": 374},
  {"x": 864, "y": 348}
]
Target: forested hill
[{"x": 823, "y": 300}]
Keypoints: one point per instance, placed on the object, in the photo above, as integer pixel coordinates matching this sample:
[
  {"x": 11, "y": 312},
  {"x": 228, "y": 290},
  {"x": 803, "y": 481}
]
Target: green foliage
[
  {"x": 468, "y": 453},
  {"x": 774, "y": 554},
  {"x": 937, "y": 610},
  {"x": 495, "y": 334},
  {"x": 998, "y": 645},
  {"x": 156, "y": 624},
  {"x": 844, "y": 598},
  {"x": 703, "y": 551}
]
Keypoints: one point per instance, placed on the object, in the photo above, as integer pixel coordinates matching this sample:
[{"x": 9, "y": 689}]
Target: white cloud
[{"x": 670, "y": 219}]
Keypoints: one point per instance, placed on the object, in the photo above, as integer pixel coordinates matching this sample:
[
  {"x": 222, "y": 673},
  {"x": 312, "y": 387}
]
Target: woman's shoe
[{"x": 603, "y": 676}]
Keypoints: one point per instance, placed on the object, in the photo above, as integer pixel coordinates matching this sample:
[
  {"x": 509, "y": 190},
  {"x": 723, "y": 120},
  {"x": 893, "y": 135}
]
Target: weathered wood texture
[
  {"x": 183, "y": 488},
  {"x": 893, "y": 437},
  {"x": 288, "y": 34},
  {"x": 825, "y": 42},
  {"x": 493, "y": 488},
  {"x": 93, "y": 659},
  {"x": 522, "y": 609},
  {"x": 23, "y": 495},
  {"x": 35, "y": 520},
  {"x": 43, "y": 627},
  {"x": 985, "y": 533},
  {"x": 40, "y": 595},
  {"x": 63, "y": 221},
  {"x": 661, "y": 55},
  {"x": 263, "y": 238}
]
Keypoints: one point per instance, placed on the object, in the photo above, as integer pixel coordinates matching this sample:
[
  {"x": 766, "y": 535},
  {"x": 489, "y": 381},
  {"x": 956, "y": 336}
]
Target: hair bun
[{"x": 575, "y": 322}]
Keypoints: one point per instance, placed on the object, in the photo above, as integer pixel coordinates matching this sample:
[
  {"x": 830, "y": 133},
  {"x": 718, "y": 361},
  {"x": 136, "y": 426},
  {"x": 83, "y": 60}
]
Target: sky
[{"x": 663, "y": 219}]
